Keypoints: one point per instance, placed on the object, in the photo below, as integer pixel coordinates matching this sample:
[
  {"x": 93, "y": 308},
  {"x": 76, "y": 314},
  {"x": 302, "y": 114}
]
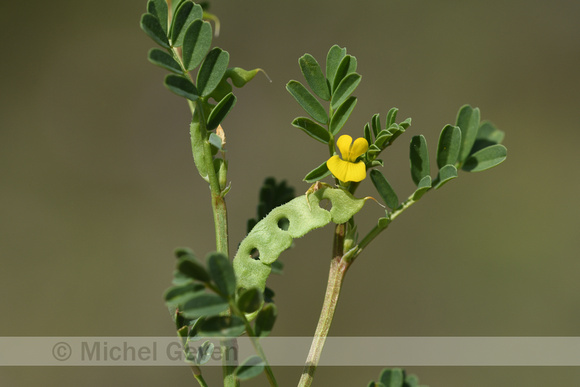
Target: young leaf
[
  {"x": 158, "y": 8},
  {"x": 163, "y": 59},
  {"x": 152, "y": 27},
  {"x": 204, "y": 304},
  {"x": 181, "y": 86},
  {"x": 178, "y": 295},
  {"x": 376, "y": 124},
  {"x": 419, "y": 159},
  {"x": 228, "y": 326},
  {"x": 341, "y": 71},
  {"x": 202, "y": 354},
  {"x": 265, "y": 320},
  {"x": 184, "y": 16},
  {"x": 250, "y": 300},
  {"x": 486, "y": 158},
  {"x": 250, "y": 368},
  {"x": 222, "y": 273},
  {"x": 220, "y": 111},
  {"x": 468, "y": 122},
  {"x": 367, "y": 134},
  {"x": 191, "y": 268},
  {"x": 333, "y": 59},
  {"x": 423, "y": 186},
  {"x": 448, "y": 172},
  {"x": 314, "y": 77},
  {"x": 392, "y": 377},
  {"x": 448, "y": 147},
  {"x": 312, "y": 129},
  {"x": 391, "y": 117},
  {"x": 384, "y": 188},
  {"x": 212, "y": 70},
  {"x": 345, "y": 89},
  {"x": 317, "y": 173},
  {"x": 341, "y": 115},
  {"x": 307, "y": 101},
  {"x": 196, "y": 43},
  {"x": 487, "y": 135}
]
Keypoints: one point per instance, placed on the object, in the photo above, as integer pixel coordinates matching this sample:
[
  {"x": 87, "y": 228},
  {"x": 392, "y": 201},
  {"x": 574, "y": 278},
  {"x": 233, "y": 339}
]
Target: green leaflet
[{"x": 267, "y": 240}]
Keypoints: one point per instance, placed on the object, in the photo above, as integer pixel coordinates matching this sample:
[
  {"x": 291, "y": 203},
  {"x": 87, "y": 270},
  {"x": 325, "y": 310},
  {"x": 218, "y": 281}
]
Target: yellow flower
[{"x": 347, "y": 169}]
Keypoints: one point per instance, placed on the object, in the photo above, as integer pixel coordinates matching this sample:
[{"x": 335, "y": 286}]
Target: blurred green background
[{"x": 98, "y": 183}]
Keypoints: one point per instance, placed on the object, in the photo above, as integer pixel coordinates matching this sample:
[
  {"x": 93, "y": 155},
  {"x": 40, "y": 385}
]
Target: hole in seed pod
[
  {"x": 284, "y": 224},
  {"x": 255, "y": 254},
  {"x": 325, "y": 204}
]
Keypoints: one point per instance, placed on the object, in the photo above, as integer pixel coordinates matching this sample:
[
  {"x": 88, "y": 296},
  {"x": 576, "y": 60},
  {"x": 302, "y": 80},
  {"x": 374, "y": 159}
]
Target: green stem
[
  {"x": 200, "y": 135},
  {"x": 197, "y": 375},
  {"x": 228, "y": 366},
  {"x": 256, "y": 343},
  {"x": 338, "y": 268}
]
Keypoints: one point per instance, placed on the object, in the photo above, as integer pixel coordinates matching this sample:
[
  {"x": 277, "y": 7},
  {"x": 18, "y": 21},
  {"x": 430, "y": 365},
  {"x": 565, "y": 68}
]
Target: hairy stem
[{"x": 338, "y": 268}]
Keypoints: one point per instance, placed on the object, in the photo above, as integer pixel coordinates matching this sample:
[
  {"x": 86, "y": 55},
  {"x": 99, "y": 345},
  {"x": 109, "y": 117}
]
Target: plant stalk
[{"x": 338, "y": 269}]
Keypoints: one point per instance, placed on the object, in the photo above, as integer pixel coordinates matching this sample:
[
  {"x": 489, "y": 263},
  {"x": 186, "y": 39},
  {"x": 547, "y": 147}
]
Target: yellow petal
[
  {"x": 346, "y": 171},
  {"x": 356, "y": 172},
  {"x": 343, "y": 144},
  {"x": 359, "y": 147},
  {"x": 337, "y": 167}
]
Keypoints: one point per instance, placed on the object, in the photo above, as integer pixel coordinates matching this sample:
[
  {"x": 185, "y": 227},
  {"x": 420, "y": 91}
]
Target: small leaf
[
  {"x": 181, "y": 86},
  {"x": 184, "y": 16},
  {"x": 411, "y": 381},
  {"x": 419, "y": 158},
  {"x": 196, "y": 44},
  {"x": 376, "y": 124},
  {"x": 312, "y": 129},
  {"x": 250, "y": 368},
  {"x": 158, "y": 8},
  {"x": 182, "y": 251},
  {"x": 308, "y": 102},
  {"x": 204, "y": 304},
  {"x": 391, "y": 117},
  {"x": 423, "y": 186},
  {"x": 317, "y": 173},
  {"x": 468, "y": 122},
  {"x": 228, "y": 326},
  {"x": 222, "y": 273},
  {"x": 487, "y": 135},
  {"x": 220, "y": 111},
  {"x": 250, "y": 300},
  {"x": 163, "y": 59},
  {"x": 448, "y": 172},
  {"x": 212, "y": 70},
  {"x": 277, "y": 267},
  {"x": 341, "y": 71},
  {"x": 367, "y": 134},
  {"x": 314, "y": 77},
  {"x": 191, "y": 268},
  {"x": 333, "y": 59},
  {"x": 384, "y": 188},
  {"x": 152, "y": 27},
  {"x": 392, "y": 377},
  {"x": 448, "y": 146},
  {"x": 202, "y": 354},
  {"x": 345, "y": 89},
  {"x": 341, "y": 115},
  {"x": 178, "y": 295},
  {"x": 486, "y": 158},
  {"x": 265, "y": 320}
]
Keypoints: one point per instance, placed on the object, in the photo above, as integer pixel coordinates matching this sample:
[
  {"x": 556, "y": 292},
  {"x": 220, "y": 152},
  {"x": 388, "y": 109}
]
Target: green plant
[{"x": 227, "y": 299}]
